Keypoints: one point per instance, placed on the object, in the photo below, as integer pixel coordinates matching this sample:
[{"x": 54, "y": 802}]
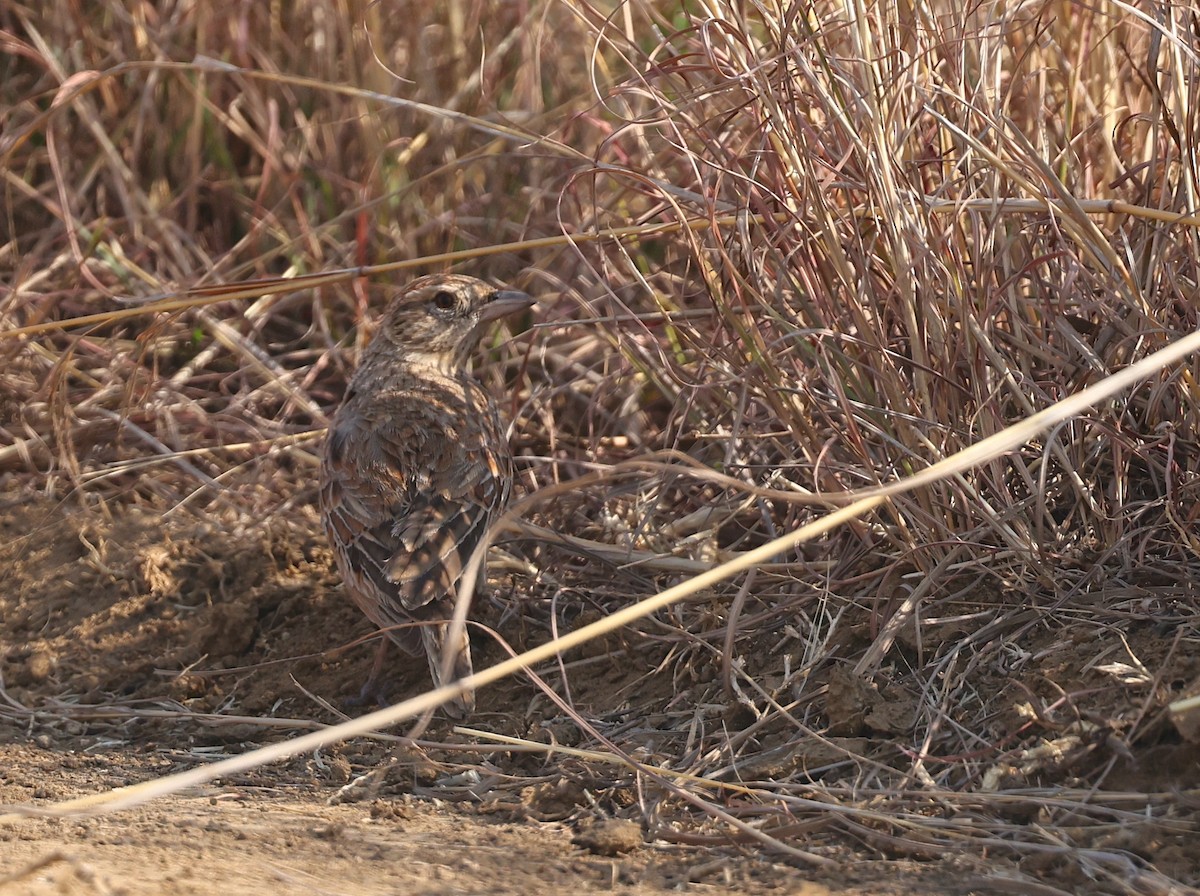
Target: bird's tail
[{"x": 434, "y": 637}]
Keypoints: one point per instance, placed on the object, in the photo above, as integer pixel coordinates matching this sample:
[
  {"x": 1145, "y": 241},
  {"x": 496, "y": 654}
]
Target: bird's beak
[{"x": 504, "y": 302}]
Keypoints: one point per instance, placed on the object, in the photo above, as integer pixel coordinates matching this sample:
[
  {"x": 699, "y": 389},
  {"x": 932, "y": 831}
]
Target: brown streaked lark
[{"x": 417, "y": 466}]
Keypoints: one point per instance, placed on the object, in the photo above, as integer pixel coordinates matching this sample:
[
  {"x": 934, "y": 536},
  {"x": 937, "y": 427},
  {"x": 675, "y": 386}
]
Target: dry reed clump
[{"x": 905, "y": 229}]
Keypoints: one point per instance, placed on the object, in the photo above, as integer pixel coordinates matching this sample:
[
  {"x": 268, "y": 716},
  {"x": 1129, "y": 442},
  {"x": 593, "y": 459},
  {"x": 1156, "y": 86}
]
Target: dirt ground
[
  {"x": 284, "y": 838},
  {"x": 134, "y": 645}
]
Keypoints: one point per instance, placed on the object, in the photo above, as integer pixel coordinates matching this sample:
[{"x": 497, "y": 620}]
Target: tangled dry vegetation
[{"x": 784, "y": 252}]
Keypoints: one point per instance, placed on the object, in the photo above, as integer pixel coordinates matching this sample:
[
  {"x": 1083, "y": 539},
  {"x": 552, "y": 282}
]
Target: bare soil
[{"x": 135, "y": 644}]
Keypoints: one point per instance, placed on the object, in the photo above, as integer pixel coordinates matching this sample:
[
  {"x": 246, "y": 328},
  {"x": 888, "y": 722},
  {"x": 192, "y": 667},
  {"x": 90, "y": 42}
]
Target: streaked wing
[
  {"x": 410, "y": 494},
  {"x": 435, "y": 541}
]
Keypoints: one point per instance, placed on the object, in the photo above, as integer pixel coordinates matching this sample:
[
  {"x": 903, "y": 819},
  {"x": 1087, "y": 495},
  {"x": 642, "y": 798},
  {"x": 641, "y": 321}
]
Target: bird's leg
[{"x": 371, "y": 691}]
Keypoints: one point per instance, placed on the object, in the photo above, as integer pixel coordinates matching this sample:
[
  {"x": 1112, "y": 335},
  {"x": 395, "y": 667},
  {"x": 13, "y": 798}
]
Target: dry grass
[{"x": 905, "y": 228}]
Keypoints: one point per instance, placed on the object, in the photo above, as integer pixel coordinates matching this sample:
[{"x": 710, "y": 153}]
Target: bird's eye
[{"x": 443, "y": 300}]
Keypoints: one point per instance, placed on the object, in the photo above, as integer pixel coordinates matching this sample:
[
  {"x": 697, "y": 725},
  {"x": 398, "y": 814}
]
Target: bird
[{"x": 416, "y": 466}]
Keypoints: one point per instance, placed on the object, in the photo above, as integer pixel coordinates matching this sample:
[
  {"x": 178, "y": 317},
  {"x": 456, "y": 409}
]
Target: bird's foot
[{"x": 374, "y": 692}]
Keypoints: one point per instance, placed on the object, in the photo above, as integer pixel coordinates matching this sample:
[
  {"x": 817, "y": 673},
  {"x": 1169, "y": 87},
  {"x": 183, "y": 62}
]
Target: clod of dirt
[
  {"x": 855, "y": 706},
  {"x": 609, "y": 837},
  {"x": 552, "y": 801},
  {"x": 847, "y": 703},
  {"x": 41, "y": 666},
  {"x": 1185, "y": 714}
]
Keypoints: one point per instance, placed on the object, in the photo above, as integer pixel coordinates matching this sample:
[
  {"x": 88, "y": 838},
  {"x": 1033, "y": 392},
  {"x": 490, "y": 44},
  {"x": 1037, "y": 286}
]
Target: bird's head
[{"x": 439, "y": 320}]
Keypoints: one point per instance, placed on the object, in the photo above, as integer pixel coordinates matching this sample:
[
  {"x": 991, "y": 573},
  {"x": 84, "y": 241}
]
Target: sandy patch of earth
[{"x": 134, "y": 646}]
